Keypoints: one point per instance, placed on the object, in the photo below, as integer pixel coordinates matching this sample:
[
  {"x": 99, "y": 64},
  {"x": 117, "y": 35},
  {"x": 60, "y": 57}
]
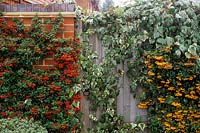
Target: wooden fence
[{"x": 126, "y": 104}]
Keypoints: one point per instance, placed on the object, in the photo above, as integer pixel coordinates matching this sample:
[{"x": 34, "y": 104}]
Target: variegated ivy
[{"x": 127, "y": 34}]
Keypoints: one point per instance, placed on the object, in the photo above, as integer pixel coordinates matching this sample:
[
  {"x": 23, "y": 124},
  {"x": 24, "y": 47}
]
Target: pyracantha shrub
[{"x": 45, "y": 93}]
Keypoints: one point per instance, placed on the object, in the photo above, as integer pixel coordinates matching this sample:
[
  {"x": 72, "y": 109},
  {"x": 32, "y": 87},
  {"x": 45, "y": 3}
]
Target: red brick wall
[
  {"x": 14, "y": 1},
  {"x": 27, "y": 1},
  {"x": 67, "y": 27}
]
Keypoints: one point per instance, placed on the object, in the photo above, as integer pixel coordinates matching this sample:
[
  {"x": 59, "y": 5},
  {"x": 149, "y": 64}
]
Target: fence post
[{"x": 85, "y": 103}]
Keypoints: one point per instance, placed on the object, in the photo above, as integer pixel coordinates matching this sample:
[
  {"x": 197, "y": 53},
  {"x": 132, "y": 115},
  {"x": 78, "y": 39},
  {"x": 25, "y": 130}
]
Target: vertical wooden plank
[
  {"x": 127, "y": 94},
  {"x": 130, "y": 104},
  {"x": 85, "y": 103},
  {"x": 120, "y": 97},
  {"x": 96, "y": 48},
  {"x": 135, "y": 110},
  {"x": 99, "y": 49}
]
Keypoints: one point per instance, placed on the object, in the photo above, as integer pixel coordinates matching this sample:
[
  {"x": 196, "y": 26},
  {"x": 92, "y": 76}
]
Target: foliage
[
  {"x": 172, "y": 26},
  {"x": 159, "y": 23},
  {"x": 128, "y": 34},
  {"x": 172, "y": 96},
  {"x": 101, "y": 84},
  {"x": 100, "y": 80},
  {"x": 20, "y": 125},
  {"x": 48, "y": 94}
]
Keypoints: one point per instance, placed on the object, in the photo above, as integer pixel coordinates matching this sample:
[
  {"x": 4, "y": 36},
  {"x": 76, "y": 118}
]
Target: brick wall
[
  {"x": 26, "y": 1},
  {"x": 13, "y": 1},
  {"x": 67, "y": 27}
]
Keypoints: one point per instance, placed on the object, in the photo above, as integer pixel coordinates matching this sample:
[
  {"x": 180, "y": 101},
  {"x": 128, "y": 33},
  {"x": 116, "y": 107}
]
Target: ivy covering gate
[{"x": 159, "y": 39}]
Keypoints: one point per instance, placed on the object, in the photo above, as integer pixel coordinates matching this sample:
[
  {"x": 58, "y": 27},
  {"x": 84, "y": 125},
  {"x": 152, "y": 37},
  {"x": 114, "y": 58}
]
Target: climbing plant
[
  {"x": 164, "y": 34},
  {"x": 172, "y": 96},
  {"x": 170, "y": 52},
  {"x": 101, "y": 80}
]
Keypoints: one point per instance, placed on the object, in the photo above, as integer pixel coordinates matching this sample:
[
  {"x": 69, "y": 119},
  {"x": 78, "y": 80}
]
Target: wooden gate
[{"x": 126, "y": 104}]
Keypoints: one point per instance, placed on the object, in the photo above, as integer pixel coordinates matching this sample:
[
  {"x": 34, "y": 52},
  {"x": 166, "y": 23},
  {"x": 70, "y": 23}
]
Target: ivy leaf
[
  {"x": 169, "y": 40},
  {"x": 133, "y": 125},
  {"x": 188, "y": 55},
  {"x": 124, "y": 29},
  {"x": 160, "y": 30},
  {"x": 178, "y": 16},
  {"x": 161, "y": 40},
  {"x": 198, "y": 62},
  {"x": 77, "y": 88},
  {"x": 156, "y": 35},
  {"x": 142, "y": 126},
  {"x": 138, "y": 119},
  {"x": 178, "y": 52},
  {"x": 133, "y": 87},
  {"x": 182, "y": 48},
  {"x": 192, "y": 49}
]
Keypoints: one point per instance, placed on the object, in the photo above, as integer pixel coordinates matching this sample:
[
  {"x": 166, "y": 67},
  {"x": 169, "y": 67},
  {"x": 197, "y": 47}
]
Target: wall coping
[
  {"x": 37, "y": 7},
  {"x": 40, "y": 14}
]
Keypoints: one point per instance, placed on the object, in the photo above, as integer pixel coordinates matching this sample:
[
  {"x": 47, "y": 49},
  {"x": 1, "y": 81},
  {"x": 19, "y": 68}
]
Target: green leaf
[
  {"x": 198, "y": 62},
  {"x": 28, "y": 102},
  {"x": 170, "y": 40},
  {"x": 156, "y": 35},
  {"x": 182, "y": 48},
  {"x": 178, "y": 16},
  {"x": 138, "y": 119},
  {"x": 71, "y": 111},
  {"x": 188, "y": 55},
  {"x": 133, "y": 125},
  {"x": 192, "y": 49},
  {"x": 142, "y": 126},
  {"x": 133, "y": 86},
  {"x": 76, "y": 104},
  {"x": 71, "y": 94},
  {"x": 161, "y": 40},
  {"x": 169, "y": 99},
  {"x": 178, "y": 52}
]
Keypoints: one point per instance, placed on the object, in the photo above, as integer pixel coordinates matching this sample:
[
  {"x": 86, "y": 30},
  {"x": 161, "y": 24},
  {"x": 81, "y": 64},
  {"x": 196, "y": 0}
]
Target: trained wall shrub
[{"x": 48, "y": 94}]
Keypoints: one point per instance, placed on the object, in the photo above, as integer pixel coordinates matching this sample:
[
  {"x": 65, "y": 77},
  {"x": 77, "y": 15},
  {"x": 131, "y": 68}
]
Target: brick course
[{"x": 67, "y": 29}]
